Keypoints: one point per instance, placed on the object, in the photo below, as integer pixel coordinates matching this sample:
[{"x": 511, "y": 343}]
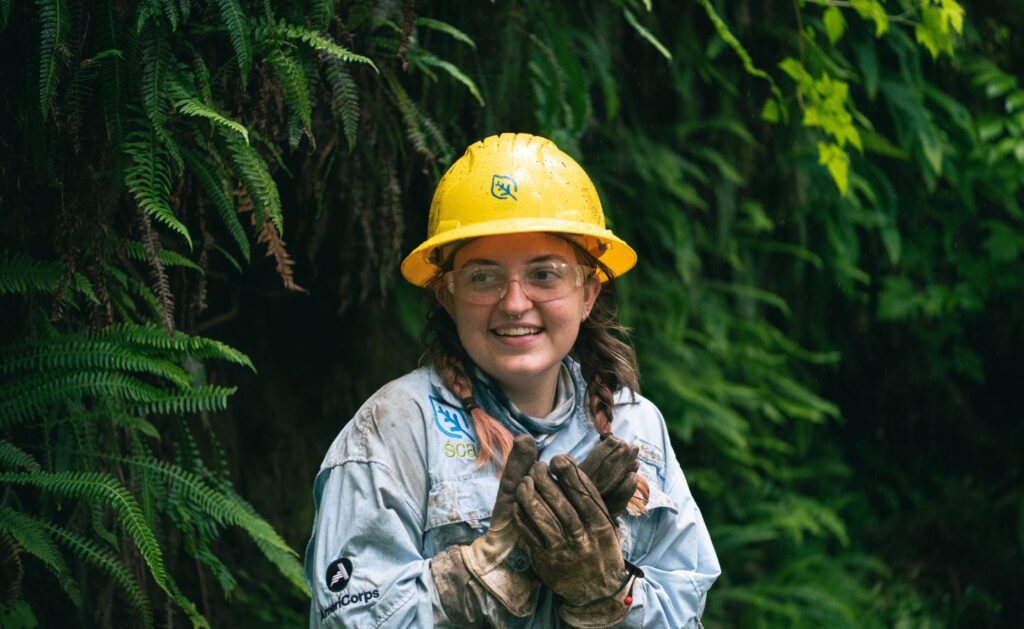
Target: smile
[{"x": 517, "y": 331}]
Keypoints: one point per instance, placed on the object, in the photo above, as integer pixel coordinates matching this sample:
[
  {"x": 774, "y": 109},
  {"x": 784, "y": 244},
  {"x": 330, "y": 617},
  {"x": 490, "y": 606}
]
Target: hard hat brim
[{"x": 618, "y": 256}]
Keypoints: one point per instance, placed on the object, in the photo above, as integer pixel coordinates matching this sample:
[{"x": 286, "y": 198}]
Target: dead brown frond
[{"x": 161, "y": 286}]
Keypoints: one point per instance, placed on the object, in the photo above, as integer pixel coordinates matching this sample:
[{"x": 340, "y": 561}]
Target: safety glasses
[{"x": 485, "y": 285}]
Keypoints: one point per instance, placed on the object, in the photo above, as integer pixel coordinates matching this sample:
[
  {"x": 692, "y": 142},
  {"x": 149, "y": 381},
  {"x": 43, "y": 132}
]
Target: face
[{"x": 492, "y": 334}]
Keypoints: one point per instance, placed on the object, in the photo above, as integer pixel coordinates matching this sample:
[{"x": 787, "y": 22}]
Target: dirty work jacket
[{"x": 399, "y": 485}]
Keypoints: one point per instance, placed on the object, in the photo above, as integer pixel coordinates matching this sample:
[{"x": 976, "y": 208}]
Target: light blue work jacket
[{"x": 399, "y": 485}]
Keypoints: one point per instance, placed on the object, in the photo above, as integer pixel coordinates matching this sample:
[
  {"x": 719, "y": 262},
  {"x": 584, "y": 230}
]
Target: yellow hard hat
[{"x": 514, "y": 183}]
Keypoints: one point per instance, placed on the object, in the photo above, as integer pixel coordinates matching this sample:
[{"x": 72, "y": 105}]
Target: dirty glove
[
  {"x": 612, "y": 467},
  {"x": 460, "y": 570},
  {"x": 573, "y": 547}
]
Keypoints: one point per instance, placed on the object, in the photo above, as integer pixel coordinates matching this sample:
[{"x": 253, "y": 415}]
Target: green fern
[
  {"x": 78, "y": 352},
  {"x": 205, "y": 398},
  {"x": 294, "y": 85},
  {"x": 447, "y": 29},
  {"x": 53, "y": 34},
  {"x": 316, "y": 40},
  {"x": 38, "y": 543},
  {"x": 156, "y": 66},
  {"x": 137, "y": 251},
  {"x": 424, "y": 58},
  {"x": 11, "y": 456},
  {"x": 345, "y": 99},
  {"x": 238, "y": 31},
  {"x": 253, "y": 171},
  {"x": 191, "y": 106},
  {"x": 215, "y": 185},
  {"x": 99, "y": 487},
  {"x": 20, "y": 273},
  {"x": 226, "y": 510},
  {"x": 149, "y": 178},
  {"x": 182, "y": 344},
  {"x": 28, "y": 397},
  {"x": 106, "y": 561}
]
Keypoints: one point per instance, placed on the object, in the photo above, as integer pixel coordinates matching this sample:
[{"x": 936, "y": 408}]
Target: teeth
[{"x": 516, "y": 331}]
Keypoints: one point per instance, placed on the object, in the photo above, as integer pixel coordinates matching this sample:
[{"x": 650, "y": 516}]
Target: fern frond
[
  {"x": 100, "y": 487},
  {"x": 345, "y": 99},
  {"x": 149, "y": 178},
  {"x": 318, "y": 41},
  {"x": 205, "y": 398},
  {"x": 446, "y": 28},
  {"x": 36, "y": 541},
  {"x": 28, "y": 397},
  {"x": 195, "y": 107},
  {"x": 156, "y": 66},
  {"x": 253, "y": 171},
  {"x": 410, "y": 116},
  {"x": 11, "y": 456},
  {"x": 106, "y": 561},
  {"x": 421, "y": 56},
  {"x": 215, "y": 187},
  {"x": 20, "y": 273},
  {"x": 77, "y": 353},
  {"x": 225, "y": 509},
  {"x": 195, "y": 346},
  {"x": 53, "y": 34},
  {"x": 320, "y": 13},
  {"x": 137, "y": 251},
  {"x": 238, "y": 31},
  {"x": 294, "y": 85}
]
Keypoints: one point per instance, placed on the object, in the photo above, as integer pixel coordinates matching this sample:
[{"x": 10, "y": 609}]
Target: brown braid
[{"x": 607, "y": 362}]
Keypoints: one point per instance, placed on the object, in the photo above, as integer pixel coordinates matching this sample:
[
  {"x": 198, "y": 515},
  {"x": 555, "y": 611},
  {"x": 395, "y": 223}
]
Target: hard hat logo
[{"x": 503, "y": 187}]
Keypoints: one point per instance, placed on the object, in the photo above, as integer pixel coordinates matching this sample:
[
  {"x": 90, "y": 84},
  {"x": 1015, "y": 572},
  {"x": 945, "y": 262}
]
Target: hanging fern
[
  {"x": 149, "y": 177},
  {"x": 253, "y": 171},
  {"x": 53, "y": 35},
  {"x": 76, "y": 352},
  {"x": 316, "y": 40},
  {"x": 294, "y": 86},
  {"x": 13, "y": 457},
  {"x": 96, "y": 486},
  {"x": 35, "y": 540},
  {"x": 215, "y": 185},
  {"x": 20, "y": 273},
  {"x": 238, "y": 31},
  {"x": 345, "y": 99}
]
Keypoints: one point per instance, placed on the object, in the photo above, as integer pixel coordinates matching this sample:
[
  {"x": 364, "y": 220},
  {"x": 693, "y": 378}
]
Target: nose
[{"x": 515, "y": 301}]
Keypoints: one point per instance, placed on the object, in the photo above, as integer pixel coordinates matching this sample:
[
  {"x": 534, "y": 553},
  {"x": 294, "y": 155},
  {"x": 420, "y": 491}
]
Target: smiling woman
[{"x": 437, "y": 503}]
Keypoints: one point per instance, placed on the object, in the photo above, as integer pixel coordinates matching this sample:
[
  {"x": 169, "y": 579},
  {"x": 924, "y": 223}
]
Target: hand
[
  {"x": 485, "y": 557},
  {"x": 569, "y": 534},
  {"x": 612, "y": 467}
]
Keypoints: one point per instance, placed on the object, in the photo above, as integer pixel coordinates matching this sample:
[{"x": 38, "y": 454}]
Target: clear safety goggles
[{"x": 540, "y": 282}]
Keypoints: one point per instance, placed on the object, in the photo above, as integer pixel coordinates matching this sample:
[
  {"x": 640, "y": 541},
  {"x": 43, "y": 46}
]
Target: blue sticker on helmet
[{"x": 504, "y": 187}]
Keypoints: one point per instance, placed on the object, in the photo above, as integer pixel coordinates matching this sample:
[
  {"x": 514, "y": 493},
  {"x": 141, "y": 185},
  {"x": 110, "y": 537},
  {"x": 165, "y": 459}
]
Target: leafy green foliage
[{"x": 821, "y": 310}]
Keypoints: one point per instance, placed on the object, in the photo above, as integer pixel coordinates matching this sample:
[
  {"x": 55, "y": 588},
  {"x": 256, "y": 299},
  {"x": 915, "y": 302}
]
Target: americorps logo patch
[
  {"x": 339, "y": 572},
  {"x": 450, "y": 421}
]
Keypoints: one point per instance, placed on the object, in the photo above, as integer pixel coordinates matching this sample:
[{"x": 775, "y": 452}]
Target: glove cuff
[
  {"x": 486, "y": 561},
  {"x": 607, "y": 611}
]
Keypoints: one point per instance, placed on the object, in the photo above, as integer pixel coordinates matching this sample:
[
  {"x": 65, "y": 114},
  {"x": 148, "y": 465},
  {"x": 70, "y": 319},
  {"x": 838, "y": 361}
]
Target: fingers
[
  {"x": 618, "y": 497},
  {"x": 517, "y": 464},
  {"x": 556, "y": 501},
  {"x": 535, "y": 512},
  {"x": 597, "y": 456},
  {"x": 528, "y": 532},
  {"x": 581, "y": 492}
]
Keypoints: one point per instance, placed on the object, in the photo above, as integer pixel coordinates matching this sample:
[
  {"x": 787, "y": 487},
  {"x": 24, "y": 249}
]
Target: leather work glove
[
  {"x": 460, "y": 570},
  {"x": 612, "y": 466},
  {"x": 572, "y": 543}
]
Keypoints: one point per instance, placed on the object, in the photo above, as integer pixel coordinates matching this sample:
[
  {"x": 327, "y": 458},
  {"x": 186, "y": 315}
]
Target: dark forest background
[{"x": 204, "y": 205}]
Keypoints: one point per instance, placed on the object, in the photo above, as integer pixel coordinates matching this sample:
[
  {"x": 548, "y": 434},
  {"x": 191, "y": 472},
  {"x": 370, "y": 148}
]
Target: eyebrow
[{"x": 485, "y": 262}]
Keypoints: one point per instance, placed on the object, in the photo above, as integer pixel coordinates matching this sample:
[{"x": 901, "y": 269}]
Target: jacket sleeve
[
  {"x": 364, "y": 563},
  {"x": 676, "y": 555}
]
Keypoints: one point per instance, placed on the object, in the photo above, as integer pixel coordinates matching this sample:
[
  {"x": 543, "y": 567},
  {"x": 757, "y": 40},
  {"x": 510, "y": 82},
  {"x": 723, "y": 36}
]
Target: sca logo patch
[
  {"x": 338, "y": 574},
  {"x": 450, "y": 421},
  {"x": 504, "y": 187}
]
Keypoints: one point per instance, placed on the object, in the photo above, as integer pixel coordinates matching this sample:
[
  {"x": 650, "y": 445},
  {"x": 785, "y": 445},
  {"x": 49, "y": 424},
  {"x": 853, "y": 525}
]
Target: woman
[{"x": 517, "y": 479}]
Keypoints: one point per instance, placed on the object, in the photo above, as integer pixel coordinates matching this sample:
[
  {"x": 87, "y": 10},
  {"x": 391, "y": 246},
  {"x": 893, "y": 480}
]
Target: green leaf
[
  {"x": 53, "y": 34},
  {"x": 149, "y": 177},
  {"x": 833, "y": 157},
  {"x": 646, "y": 34},
  {"x": 835, "y": 24},
  {"x": 238, "y": 31},
  {"x": 429, "y": 59},
  {"x": 447, "y": 29}
]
